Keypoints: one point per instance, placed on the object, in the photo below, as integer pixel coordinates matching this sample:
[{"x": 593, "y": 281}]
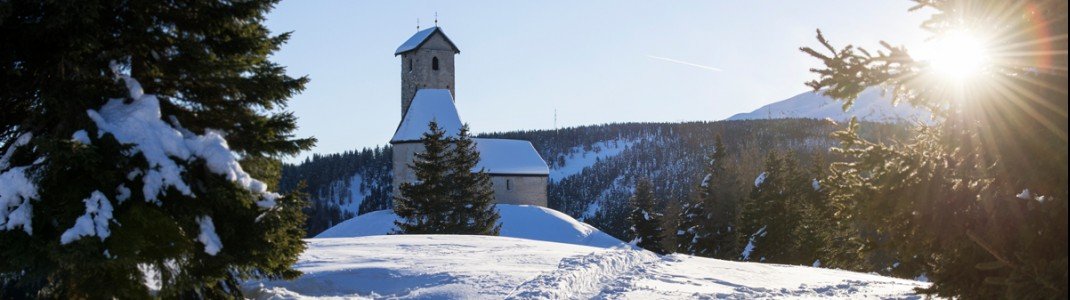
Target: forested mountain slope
[{"x": 593, "y": 168}]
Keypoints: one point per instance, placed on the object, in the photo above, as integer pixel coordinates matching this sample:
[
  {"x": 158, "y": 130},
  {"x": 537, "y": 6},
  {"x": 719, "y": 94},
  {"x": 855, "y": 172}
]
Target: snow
[
  {"x": 747, "y": 250},
  {"x": 870, "y": 106},
  {"x": 502, "y": 156},
  {"x": 139, "y": 124},
  {"x": 416, "y": 39},
  {"x": 428, "y": 105},
  {"x": 98, "y": 213},
  {"x": 760, "y": 179},
  {"x": 22, "y": 140},
  {"x": 519, "y": 221},
  {"x": 16, "y": 193},
  {"x": 81, "y": 136},
  {"x": 17, "y": 190},
  {"x": 487, "y": 267},
  {"x": 577, "y": 159},
  {"x": 208, "y": 237},
  {"x": 1024, "y": 195}
]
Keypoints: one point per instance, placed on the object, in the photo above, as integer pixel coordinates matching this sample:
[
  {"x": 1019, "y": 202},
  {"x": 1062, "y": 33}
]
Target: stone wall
[
  {"x": 403, "y": 155},
  {"x": 529, "y": 190},
  {"x": 507, "y": 189},
  {"x": 417, "y": 72}
]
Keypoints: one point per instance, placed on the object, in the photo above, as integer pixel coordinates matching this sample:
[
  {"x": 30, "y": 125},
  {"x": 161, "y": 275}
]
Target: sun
[{"x": 957, "y": 55}]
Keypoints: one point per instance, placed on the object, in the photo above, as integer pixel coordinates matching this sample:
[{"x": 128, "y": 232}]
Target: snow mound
[
  {"x": 518, "y": 221},
  {"x": 870, "y": 106},
  {"x": 489, "y": 267}
]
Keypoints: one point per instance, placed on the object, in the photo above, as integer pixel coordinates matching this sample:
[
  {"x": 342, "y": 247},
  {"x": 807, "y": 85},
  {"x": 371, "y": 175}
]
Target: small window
[
  {"x": 508, "y": 185},
  {"x": 434, "y": 63},
  {"x": 410, "y": 65}
]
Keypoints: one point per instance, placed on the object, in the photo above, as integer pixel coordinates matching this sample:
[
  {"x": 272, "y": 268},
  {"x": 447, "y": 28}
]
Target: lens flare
[{"x": 957, "y": 55}]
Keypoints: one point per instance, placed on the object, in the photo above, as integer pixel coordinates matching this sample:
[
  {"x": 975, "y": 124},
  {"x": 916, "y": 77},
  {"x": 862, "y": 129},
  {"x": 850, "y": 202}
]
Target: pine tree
[
  {"x": 718, "y": 193},
  {"x": 424, "y": 206},
  {"x": 646, "y": 223},
  {"x": 815, "y": 214},
  {"x": 774, "y": 212},
  {"x": 977, "y": 201},
  {"x": 96, "y": 206},
  {"x": 708, "y": 226},
  {"x": 472, "y": 197},
  {"x": 691, "y": 231}
]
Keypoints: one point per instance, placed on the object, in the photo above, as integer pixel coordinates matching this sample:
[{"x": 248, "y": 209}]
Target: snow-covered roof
[
  {"x": 428, "y": 105},
  {"x": 420, "y": 38},
  {"x": 510, "y": 157}
]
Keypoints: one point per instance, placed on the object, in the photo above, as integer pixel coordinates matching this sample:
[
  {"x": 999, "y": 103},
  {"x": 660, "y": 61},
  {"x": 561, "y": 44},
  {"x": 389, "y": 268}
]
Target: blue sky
[{"x": 593, "y": 61}]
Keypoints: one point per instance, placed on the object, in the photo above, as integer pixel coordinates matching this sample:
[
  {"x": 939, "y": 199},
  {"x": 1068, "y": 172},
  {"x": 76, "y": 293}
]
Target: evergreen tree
[
  {"x": 977, "y": 201},
  {"x": 815, "y": 214},
  {"x": 691, "y": 231},
  {"x": 719, "y": 194},
  {"x": 774, "y": 211},
  {"x": 472, "y": 197},
  {"x": 646, "y": 223},
  {"x": 708, "y": 226},
  {"x": 424, "y": 206},
  {"x": 95, "y": 205}
]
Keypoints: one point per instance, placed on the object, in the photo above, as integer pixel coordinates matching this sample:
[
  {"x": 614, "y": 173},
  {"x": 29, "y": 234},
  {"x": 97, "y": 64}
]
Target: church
[{"x": 518, "y": 173}]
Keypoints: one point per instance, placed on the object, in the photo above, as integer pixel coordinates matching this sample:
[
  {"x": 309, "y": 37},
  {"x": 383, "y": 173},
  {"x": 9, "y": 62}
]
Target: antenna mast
[{"x": 555, "y": 118}]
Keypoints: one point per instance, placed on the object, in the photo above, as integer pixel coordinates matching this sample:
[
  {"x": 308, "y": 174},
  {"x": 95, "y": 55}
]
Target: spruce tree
[
  {"x": 646, "y": 223},
  {"x": 95, "y": 202},
  {"x": 708, "y": 226},
  {"x": 976, "y": 201},
  {"x": 691, "y": 230},
  {"x": 472, "y": 197},
  {"x": 721, "y": 199},
  {"x": 774, "y": 212},
  {"x": 424, "y": 206}
]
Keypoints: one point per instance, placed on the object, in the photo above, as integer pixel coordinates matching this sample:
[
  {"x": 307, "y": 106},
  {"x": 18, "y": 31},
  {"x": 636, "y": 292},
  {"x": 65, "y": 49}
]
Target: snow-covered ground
[
  {"x": 486, "y": 267},
  {"x": 519, "y": 221},
  {"x": 542, "y": 254},
  {"x": 579, "y": 158},
  {"x": 871, "y": 105}
]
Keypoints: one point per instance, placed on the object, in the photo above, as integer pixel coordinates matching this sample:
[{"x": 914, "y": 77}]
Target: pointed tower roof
[
  {"x": 422, "y": 37},
  {"x": 428, "y": 105}
]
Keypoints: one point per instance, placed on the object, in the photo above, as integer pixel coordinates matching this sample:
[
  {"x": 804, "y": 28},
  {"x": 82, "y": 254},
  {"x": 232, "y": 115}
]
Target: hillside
[
  {"x": 592, "y": 167},
  {"x": 519, "y": 221},
  {"x": 871, "y": 106},
  {"x": 487, "y": 267}
]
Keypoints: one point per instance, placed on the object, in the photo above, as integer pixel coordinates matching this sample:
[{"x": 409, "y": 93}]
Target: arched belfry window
[{"x": 434, "y": 63}]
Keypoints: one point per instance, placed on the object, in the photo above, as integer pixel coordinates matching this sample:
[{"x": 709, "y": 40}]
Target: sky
[{"x": 591, "y": 62}]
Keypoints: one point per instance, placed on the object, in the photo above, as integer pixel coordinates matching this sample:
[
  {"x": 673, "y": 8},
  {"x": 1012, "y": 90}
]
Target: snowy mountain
[
  {"x": 488, "y": 267},
  {"x": 870, "y": 106},
  {"x": 519, "y": 221}
]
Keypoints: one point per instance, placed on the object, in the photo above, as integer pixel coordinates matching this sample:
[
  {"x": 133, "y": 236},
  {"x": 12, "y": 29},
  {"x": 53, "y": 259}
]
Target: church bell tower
[{"x": 426, "y": 63}]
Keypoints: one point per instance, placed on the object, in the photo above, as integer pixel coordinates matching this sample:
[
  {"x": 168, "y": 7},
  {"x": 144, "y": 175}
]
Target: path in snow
[{"x": 583, "y": 276}]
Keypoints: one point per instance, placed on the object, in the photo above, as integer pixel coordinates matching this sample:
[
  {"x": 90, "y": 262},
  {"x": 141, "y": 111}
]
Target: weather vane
[
  {"x": 417, "y": 24},
  {"x": 436, "y": 19}
]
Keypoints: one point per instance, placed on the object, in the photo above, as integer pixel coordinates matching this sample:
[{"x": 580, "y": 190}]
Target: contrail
[{"x": 685, "y": 63}]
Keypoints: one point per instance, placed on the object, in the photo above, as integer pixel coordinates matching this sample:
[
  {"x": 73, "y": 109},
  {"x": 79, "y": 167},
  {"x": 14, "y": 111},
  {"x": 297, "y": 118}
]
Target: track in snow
[{"x": 584, "y": 276}]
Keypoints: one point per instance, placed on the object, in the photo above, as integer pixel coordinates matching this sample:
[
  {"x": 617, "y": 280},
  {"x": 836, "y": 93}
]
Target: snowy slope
[
  {"x": 519, "y": 221},
  {"x": 578, "y": 158},
  {"x": 484, "y": 267},
  {"x": 870, "y": 106}
]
